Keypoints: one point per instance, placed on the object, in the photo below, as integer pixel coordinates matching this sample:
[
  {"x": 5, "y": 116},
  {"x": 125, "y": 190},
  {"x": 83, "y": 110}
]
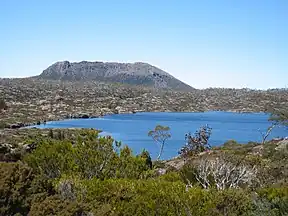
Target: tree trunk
[{"x": 161, "y": 151}]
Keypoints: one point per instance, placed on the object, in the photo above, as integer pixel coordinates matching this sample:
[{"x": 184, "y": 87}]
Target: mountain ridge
[{"x": 137, "y": 73}]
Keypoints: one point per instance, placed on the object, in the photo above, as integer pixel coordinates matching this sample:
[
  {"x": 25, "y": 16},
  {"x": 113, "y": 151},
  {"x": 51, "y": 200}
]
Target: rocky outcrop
[{"x": 127, "y": 73}]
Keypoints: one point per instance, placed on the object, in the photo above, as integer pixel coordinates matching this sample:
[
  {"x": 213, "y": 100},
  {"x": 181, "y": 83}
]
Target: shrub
[
  {"x": 52, "y": 158},
  {"x": 3, "y": 105},
  {"x": 196, "y": 143},
  {"x": 19, "y": 187},
  {"x": 160, "y": 197},
  {"x": 55, "y": 206},
  {"x": 90, "y": 157},
  {"x": 230, "y": 144},
  {"x": 277, "y": 198}
]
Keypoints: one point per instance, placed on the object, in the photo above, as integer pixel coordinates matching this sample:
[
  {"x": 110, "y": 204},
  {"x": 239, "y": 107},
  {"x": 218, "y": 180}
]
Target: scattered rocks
[
  {"x": 35, "y": 100},
  {"x": 177, "y": 163}
]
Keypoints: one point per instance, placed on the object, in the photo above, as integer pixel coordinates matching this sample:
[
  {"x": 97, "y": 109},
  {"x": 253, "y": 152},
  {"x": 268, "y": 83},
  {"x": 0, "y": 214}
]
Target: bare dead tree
[
  {"x": 266, "y": 134},
  {"x": 222, "y": 173}
]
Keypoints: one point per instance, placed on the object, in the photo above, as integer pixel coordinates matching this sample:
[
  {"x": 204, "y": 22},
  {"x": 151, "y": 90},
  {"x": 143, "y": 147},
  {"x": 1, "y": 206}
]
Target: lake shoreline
[
  {"x": 132, "y": 129},
  {"x": 18, "y": 124}
]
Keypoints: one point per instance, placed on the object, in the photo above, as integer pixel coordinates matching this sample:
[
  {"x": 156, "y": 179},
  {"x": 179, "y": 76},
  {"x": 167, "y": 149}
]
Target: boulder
[
  {"x": 45, "y": 107},
  {"x": 58, "y": 98},
  {"x": 282, "y": 145},
  {"x": 257, "y": 150}
]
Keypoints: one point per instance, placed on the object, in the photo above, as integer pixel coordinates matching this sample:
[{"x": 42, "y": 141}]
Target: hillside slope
[{"x": 128, "y": 73}]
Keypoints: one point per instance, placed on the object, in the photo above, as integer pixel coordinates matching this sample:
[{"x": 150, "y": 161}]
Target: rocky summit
[{"x": 126, "y": 73}]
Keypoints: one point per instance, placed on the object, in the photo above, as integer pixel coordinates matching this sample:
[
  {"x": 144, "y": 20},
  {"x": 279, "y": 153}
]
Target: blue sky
[{"x": 205, "y": 43}]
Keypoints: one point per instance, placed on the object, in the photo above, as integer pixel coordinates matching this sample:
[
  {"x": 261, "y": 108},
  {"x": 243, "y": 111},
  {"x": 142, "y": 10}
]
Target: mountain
[{"x": 127, "y": 73}]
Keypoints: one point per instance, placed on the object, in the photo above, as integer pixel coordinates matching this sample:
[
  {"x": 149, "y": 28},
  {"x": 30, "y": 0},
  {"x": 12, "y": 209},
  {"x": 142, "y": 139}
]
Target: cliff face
[{"x": 128, "y": 73}]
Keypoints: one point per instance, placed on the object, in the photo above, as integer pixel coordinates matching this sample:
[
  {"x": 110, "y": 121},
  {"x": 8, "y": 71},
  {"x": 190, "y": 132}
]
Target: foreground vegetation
[{"x": 76, "y": 172}]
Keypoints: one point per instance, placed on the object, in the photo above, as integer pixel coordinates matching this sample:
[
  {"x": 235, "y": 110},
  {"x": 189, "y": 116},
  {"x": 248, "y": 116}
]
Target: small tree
[
  {"x": 146, "y": 156},
  {"x": 267, "y": 133},
  {"x": 160, "y": 134},
  {"x": 50, "y": 133},
  {"x": 196, "y": 143}
]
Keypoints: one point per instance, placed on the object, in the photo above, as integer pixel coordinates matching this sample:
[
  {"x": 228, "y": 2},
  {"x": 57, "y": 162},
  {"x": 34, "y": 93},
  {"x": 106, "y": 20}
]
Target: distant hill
[{"x": 127, "y": 73}]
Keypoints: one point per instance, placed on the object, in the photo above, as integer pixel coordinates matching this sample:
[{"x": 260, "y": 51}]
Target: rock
[
  {"x": 282, "y": 145},
  {"x": 29, "y": 147},
  {"x": 42, "y": 102},
  {"x": 177, "y": 163},
  {"x": 45, "y": 107},
  {"x": 119, "y": 110},
  {"x": 161, "y": 171},
  {"x": 59, "y": 98},
  {"x": 51, "y": 117},
  {"x": 257, "y": 150}
]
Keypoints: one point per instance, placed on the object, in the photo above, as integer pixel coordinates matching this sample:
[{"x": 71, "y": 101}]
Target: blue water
[{"x": 132, "y": 129}]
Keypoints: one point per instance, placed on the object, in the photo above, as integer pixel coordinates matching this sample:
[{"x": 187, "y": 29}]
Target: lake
[{"x": 132, "y": 129}]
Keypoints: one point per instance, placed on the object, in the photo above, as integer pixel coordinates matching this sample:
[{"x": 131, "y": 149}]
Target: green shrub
[
  {"x": 233, "y": 202},
  {"x": 52, "y": 158},
  {"x": 3, "y": 105},
  {"x": 92, "y": 175},
  {"x": 231, "y": 144},
  {"x": 278, "y": 199},
  {"x": 196, "y": 143},
  {"x": 90, "y": 157},
  {"x": 19, "y": 187},
  {"x": 159, "y": 197},
  {"x": 171, "y": 177},
  {"x": 55, "y": 206},
  {"x": 2, "y": 125}
]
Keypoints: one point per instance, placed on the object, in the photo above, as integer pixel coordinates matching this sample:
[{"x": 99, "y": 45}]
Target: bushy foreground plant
[
  {"x": 20, "y": 187},
  {"x": 24, "y": 193},
  {"x": 90, "y": 157},
  {"x": 92, "y": 175},
  {"x": 158, "y": 197}
]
